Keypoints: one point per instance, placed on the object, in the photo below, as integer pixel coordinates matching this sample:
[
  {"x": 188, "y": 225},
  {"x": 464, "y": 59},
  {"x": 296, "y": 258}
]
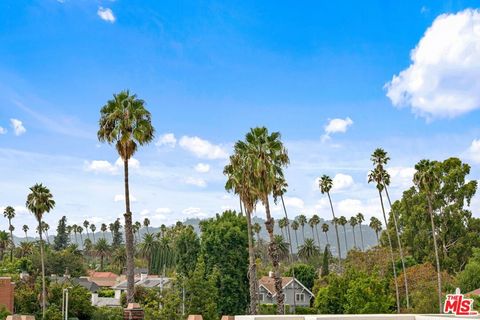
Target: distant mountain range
[{"x": 369, "y": 237}]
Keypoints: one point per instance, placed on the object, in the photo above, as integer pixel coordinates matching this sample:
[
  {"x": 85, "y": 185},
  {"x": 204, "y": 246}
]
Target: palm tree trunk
[
  {"x": 361, "y": 237},
  {"x": 354, "y": 239},
  {"x": 326, "y": 236},
  {"x": 93, "y": 233},
  {"x": 303, "y": 234},
  {"x": 128, "y": 238},
  {"x": 296, "y": 239},
  {"x": 273, "y": 253},
  {"x": 346, "y": 243},
  {"x": 26, "y": 236},
  {"x": 336, "y": 227},
  {"x": 44, "y": 291},
  {"x": 291, "y": 252},
  {"x": 241, "y": 208},
  {"x": 11, "y": 239},
  {"x": 391, "y": 253},
  {"x": 437, "y": 260},
  {"x": 252, "y": 272},
  {"x": 378, "y": 241},
  {"x": 397, "y": 232},
  {"x": 318, "y": 237}
]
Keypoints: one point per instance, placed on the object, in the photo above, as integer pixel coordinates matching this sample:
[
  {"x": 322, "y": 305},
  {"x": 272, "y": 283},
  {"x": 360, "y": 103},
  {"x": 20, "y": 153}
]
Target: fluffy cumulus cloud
[
  {"x": 202, "y": 167},
  {"x": 202, "y": 148},
  {"x": 167, "y": 140},
  {"x": 473, "y": 152},
  {"x": 443, "y": 80},
  {"x": 3, "y": 130},
  {"x": 193, "y": 212},
  {"x": 17, "y": 127},
  {"x": 348, "y": 207},
  {"x": 103, "y": 166},
  {"x": 401, "y": 176},
  {"x": 106, "y": 14},
  {"x": 294, "y": 202},
  {"x": 163, "y": 210},
  {"x": 196, "y": 182},
  {"x": 341, "y": 182},
  {"x": 336, "y": 125}
]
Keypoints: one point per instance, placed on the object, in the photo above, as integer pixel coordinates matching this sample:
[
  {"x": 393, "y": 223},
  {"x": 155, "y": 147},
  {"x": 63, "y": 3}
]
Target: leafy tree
[
  {"x": 108, "y": 313},
  {"x": 39, "y": 202},
  {"x": 224, "y": 248},
  {"x": 326, "y": 184},
  {"x": 117, "y": 237},
  {"x": 326, "y": 261},
  {"x": 367, "y": 294},
  {"x": 61, "y": 240},
  {"x": 469, "y": 278},
  {"x": 304, "y": 273},
  {"x": 202, "y": 292},
  {"x": 187, "y": 248},
  {"x": 79, "y": 303},
  {"x": 148, "y": 247},
  {"x": 125, "y": 122},
  {"x": 4, "y": 243}
]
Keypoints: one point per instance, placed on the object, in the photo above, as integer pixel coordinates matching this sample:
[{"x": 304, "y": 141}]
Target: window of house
[
  {"x": 300, "y": 297},
  {"x": 260, "y": 297}
]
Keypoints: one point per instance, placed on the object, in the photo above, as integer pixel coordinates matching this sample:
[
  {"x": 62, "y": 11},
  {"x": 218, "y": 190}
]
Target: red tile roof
[{"x": 269, "y": 282}]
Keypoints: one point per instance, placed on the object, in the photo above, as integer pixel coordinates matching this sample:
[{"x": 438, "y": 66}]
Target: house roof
[
  {"x": 99, "y": 274},
  {"x": 150, "y": 282},
  {"x": 89, "y": 285},
  {"x": 103, "y": 279},
  {"x": 269, "y": 284},
  {"x": 475, "y": 292}
]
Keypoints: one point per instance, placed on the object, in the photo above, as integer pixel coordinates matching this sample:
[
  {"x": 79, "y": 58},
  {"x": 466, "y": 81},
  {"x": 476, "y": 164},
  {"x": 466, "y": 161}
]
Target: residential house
[
  {"x": 103, "y": 279},
  {"x": 144, "y": 280},
  {"x": 292, "y": 289}
]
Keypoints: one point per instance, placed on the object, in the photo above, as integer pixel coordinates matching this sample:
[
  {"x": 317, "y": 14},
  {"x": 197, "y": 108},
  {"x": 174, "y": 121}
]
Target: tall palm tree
[
  {"x": 427, "y": 180},
  {"x": 316, "y": 221},
  {"x": 308, "y": 250},
  {"x": 147, "y": 247},
  {"x": 376, "y": 176},
  {"x": 74, "y": 229},
  {"x": 9, "y": 213},
  {"x": 26, "y": 248},
  {"x": 325, "y": 228},
  {"x": 80, "y": 230},
  {"x": 295, "y": 226},
  {"x": 126, "y": 123},
  {"x": 360, "y": 219},
  {"x": 40, "y": 201},
  {"x": 353, "y": 222},
  {"x": 326, "y": 185},
  {"x": 93, "y": 228},
  {"x": 45, "y": 228},
  {"x": 376, "y": 225},
  {"x": 302, "y": 220},
  {"x": 311, "y": 223},
  {"x": 102, "y": 250},
  {"x": 239, "y": 181},
  {"x": 282, "y": 223},
  {"x": 380, "y": 159},
  {"x": 146, "y": 223},
  {"x": 103, "y": 228},
  {"x": 343, "y": 222},
  {"x": 266, "y": 156},
  {"x": 86, "y": 225},
  {"x": 138, "y": 226},
  {"x": 25, "y": 229},
  {"x": 283, "y": 247}
]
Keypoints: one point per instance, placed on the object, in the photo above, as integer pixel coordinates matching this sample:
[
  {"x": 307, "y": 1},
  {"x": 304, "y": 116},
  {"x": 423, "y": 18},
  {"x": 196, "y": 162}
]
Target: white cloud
[
  {"x": 443, "y": 80},
  {"x": 167, "y": 140},
  {"x": 340, "y": 181},
  {"x": 473, "y": 152},
  {"x": 144, "y": 212},
  {"x": 294, "y": 202},
  {"x": 349, "y": 207},
  {"x": 121, "y": 197},
  {"x": 193, "y": 212},
  {"x": 202, "y": 148},
  {"x": 103, "y": 166},
  {"x": 196, "y": 182},
  {"x": 401, "y": 176},
  {"x": 18, "y": 127},
  {"x": 106, "y": 14},
  {"x": 202, "y": 167},
  {"x": 336, "y": 125},
  {"x": 3, "y": 130}
]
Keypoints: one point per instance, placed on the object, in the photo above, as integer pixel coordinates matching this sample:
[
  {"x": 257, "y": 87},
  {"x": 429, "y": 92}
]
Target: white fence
[{"x": 354, "y": 317}]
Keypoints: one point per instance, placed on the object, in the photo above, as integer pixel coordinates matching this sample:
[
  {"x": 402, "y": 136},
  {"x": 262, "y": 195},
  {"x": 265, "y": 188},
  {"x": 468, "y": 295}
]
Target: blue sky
[{"x": 210, "y": 70}]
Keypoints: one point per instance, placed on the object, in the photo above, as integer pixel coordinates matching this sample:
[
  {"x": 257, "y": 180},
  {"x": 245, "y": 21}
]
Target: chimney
[{"x": 270, "y": 274}]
